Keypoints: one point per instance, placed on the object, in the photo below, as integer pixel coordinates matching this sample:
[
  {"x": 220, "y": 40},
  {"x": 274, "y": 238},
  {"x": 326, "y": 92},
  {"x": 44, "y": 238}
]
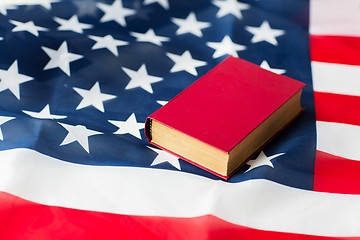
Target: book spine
[{"x": 148, "y": 129}]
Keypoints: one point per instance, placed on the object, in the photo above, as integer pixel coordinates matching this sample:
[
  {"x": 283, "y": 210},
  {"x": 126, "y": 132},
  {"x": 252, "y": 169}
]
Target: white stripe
[
  {"x": 339, "y": 139},
  {"x": 258, "y": 204},
  {"x": 336, "y": 78},
  {"x": 334, "y": 17}
]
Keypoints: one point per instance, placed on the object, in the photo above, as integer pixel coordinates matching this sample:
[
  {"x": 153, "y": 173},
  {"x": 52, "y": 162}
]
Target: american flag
[{"x": 79, "y": 77}]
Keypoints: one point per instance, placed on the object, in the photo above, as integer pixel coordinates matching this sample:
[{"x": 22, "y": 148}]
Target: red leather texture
[{"x": 227, "y": 103}]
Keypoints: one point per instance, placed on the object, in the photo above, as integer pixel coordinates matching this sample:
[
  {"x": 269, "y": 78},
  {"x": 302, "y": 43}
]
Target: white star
[
  {"x": 45, "y": 3},
  {"x": 1, "y": 38},
  {"x": 141, "y": 78},
  {"x": 5, "y": 7},
  {"x": 44, "y": 114},
  {"x": 165, "y": 157},
  {"x": 107, "y": 42},
  {"x": 185, "y": 62},
  {"x": 130, "y": 126},
  {"x": 93, "y": 97},
  {"x": 78, "y": 133},
  {"x": 262, "y": 160},
  {"x": 266, "y": 66},
  {"x": 115, "y": 12},
  {"x": 230, "y": 7},
  {"x": 163, "y": 3},
  {"x": 2, "y": 121},
  {"x": 226, "y": 46},
  {"x": 190, "y": 25},
  {"x": 60, "y": 58},
  {"x": 150, "y": 36},
  {"x": 162, "y": 102},
  {"x": 72, "y": 24},
  {"x": 265, "y": 33},
  {"x": 27, "y": 26},
  {"x": 11, "y": 79}
]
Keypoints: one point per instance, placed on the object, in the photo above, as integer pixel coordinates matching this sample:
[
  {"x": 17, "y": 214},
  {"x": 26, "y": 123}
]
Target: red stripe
[
  {"x": 336, "y": 174},
  {"x": 21, "y": 219},
  {"x": 335, "y": 49},
  {"x": 337, "y": 108}
]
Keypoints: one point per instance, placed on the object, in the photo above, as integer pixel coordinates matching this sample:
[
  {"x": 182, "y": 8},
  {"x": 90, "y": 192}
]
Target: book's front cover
[{"x": 227, "y": 103}]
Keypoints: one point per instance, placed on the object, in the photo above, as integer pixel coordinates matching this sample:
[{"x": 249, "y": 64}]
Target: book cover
[{"x": 225, "y": 105}]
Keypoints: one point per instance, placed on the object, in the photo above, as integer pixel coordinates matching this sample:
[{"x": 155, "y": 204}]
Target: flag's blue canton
[{"x": 113, "y": 133}]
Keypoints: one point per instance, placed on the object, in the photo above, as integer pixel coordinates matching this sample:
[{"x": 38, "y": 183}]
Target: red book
[{"x": 226, "y": 116}]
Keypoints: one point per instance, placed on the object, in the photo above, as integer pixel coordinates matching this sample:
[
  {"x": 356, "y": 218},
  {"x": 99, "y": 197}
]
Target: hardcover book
[{"x": 226, "y": 116}]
